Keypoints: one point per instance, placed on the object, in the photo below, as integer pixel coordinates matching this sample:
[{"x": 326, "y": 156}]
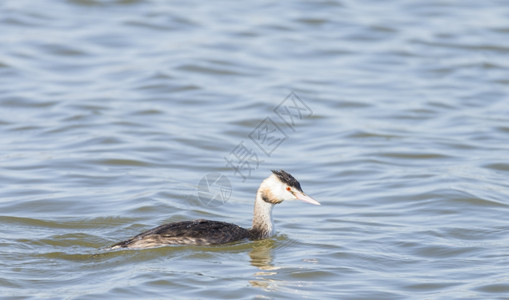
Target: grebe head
[
  {"x": 278, "y": 187},
  {"x": 281, "y": 186}
]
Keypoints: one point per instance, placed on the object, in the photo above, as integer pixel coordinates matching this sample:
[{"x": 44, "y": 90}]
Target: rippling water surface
[{"x": 393, "y": 114}]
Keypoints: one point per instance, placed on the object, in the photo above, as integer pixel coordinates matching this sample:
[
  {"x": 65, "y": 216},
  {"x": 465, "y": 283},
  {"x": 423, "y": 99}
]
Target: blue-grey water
[{"x": 116, "y": 114}]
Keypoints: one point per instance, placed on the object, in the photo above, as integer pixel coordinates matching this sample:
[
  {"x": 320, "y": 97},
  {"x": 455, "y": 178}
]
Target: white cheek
[
  {"x": 285, "y": 194},
  {"x": 280, "y": 193},
  {"x": 290, "y": 196}
]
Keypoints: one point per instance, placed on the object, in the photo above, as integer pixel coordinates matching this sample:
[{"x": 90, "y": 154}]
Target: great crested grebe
[{"x": 276, "y": 188}]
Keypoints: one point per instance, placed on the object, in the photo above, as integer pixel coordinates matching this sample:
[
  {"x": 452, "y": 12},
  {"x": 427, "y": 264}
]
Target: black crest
[{"x": 287, "y": 178}]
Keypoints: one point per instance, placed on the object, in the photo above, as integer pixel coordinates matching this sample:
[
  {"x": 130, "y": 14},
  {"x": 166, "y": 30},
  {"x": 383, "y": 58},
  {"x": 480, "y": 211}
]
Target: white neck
[{"x": 262, "y": 217}]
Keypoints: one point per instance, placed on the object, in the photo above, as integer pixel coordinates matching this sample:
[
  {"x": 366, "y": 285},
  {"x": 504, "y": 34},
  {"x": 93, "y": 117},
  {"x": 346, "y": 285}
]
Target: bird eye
[{"x": 288, "y": 188}]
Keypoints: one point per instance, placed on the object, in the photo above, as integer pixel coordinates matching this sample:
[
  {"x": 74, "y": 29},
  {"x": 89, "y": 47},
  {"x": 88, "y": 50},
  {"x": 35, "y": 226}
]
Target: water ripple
[{"x": 112, "y": 111}]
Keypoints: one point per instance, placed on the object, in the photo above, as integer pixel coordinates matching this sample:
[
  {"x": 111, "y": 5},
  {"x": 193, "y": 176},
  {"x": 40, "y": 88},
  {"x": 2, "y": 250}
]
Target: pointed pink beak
[{"x": 306, "y": 198}]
